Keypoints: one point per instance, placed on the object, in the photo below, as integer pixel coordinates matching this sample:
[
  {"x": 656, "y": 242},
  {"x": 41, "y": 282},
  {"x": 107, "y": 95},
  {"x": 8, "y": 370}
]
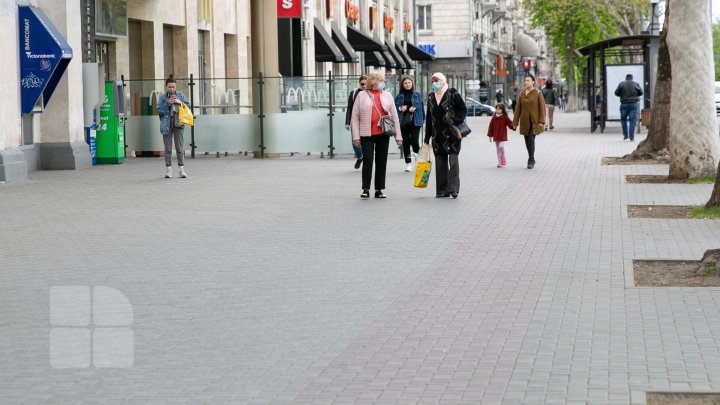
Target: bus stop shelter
[{"x": 613, "y": 59}]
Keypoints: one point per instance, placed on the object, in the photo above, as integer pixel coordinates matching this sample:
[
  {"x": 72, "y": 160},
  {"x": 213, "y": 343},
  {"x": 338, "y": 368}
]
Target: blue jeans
[{"x": 628, "y": 111}]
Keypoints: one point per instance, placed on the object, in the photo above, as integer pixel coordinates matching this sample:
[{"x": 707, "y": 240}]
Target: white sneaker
[
  {"x": 168, "y": 172},
  {"x": 183, "y": 175},
  {"x": 409, "y": 167}
]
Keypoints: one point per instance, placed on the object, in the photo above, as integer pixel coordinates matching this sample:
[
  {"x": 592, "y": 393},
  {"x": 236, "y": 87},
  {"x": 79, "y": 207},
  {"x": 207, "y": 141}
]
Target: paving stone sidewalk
[{"x": 271, "y": 281}]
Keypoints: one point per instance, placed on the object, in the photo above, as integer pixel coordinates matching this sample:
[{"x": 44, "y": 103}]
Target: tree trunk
[
  {"x": 693, "y": 140},
  {"x": 654, "y": 147},
  {"x": 572, "y": 105},
  {"x": 714, "y": 200},
  {"x": 710, "y": 262}
]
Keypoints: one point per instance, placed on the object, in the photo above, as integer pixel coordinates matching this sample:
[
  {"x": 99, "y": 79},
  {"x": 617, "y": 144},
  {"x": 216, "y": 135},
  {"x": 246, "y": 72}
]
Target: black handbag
[
  {"x": 462, "y": 128},
  {"x": 407, "y": 119},
  {"x": 386, "y": 122}
]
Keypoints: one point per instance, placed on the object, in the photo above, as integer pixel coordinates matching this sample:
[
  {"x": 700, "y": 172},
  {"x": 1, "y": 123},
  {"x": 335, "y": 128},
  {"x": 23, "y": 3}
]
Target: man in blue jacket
[{"x": 629, "y": 92}]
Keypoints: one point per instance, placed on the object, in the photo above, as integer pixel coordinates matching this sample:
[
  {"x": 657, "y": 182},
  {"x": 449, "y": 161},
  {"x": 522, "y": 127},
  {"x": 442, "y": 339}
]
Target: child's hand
[{"x": 491, "y": 138}]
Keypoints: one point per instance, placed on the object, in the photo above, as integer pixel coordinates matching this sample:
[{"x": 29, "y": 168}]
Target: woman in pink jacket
[{"x": 369, "y": 106}]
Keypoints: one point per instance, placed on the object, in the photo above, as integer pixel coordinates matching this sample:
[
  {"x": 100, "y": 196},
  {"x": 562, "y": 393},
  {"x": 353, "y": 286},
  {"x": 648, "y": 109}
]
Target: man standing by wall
[{"x": 629, "y": 92}]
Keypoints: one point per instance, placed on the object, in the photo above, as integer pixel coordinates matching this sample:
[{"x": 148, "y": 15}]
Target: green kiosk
[{"x": 110, "y": 139}]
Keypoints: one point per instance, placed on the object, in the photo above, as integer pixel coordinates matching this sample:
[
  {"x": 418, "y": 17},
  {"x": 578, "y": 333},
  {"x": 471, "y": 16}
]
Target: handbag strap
[{"x": 374, "y": 105}]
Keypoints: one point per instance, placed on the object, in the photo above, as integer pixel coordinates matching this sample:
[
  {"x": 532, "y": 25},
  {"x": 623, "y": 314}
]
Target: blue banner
[{"x": 44, "y": 56}]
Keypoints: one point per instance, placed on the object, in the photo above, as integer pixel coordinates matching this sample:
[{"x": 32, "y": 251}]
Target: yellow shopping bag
[
  {"x": 185, "y": 116},
  {"x": 423, "y": 168},
  {"x": 422, "y": 174}
]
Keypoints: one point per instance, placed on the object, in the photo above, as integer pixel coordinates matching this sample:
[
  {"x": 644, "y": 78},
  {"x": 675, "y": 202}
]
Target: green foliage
[
  {"x": 587, "y": 21},
  {"x": 705, "y": 213},
  {"x": 702, "y": 180},
  {"x": 709, "y": 270}
]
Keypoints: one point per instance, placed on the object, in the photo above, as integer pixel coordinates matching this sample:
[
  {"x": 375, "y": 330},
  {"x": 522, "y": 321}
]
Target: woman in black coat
[{"x": 445, "y": 109}]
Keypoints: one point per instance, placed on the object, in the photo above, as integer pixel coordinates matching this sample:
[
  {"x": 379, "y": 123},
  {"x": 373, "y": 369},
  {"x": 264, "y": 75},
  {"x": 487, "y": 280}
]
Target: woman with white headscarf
[{"x": 445, "y": 109}]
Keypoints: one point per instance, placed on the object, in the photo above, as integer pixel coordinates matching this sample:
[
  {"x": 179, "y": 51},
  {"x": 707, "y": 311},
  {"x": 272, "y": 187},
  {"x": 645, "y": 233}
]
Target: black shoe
[
  {"x": 365, "y": 194},
  {"x": 358, "y": 163},
  {"x": 443, "y": 195},
  {"x": 379, "y": 194},
  {"x": 531, "y": 165},
  {"x": 552, "y": 127},
  {"x": 625, "y": 138},
  {"x": 454, "y": 195}
]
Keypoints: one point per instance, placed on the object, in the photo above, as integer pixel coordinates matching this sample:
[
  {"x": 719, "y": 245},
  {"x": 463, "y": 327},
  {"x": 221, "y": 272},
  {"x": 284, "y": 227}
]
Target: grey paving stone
[{"x": 270, "y": 281}]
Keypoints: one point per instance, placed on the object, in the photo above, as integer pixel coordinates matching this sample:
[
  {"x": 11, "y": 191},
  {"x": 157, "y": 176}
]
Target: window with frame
[{"x": 424, "y": 19}]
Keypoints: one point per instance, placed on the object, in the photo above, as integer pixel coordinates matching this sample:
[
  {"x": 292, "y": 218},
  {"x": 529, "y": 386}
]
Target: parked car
[
  {"x": 717, "y": 98},
  {"x": 475, "y": 108}
]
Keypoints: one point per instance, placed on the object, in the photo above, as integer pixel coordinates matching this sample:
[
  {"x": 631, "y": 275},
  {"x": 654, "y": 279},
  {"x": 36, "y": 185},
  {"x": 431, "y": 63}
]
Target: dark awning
[
  {"x": 374, "y": 59},
  {"x": 362, "y": 42},
  {"x": 404, "y": 55},
  {"x": 342, "y": 43},
  {"x": 44, "y": 56},
  {"x": 390, "y": 62},
  {"x": 416, "y": 53},
  {"x": 398, "y": 59},
  {"x": 630, "y": 40},
  {"x": 325, "y": 48}
]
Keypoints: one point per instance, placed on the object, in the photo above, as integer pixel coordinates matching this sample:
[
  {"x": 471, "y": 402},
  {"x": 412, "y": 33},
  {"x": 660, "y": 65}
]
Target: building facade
[
  {"x": 221, "y": 44},
  {"x": 485, "y": 41}
]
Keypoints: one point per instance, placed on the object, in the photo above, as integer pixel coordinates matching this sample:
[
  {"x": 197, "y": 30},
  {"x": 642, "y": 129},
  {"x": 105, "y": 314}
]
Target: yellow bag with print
[
  {"x": 185, "y": 116},
  {"x": 423, "y": 168}
]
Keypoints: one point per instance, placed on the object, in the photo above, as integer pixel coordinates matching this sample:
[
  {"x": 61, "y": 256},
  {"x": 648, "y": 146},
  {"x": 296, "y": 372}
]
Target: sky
[{"x": 716, "y": 9}]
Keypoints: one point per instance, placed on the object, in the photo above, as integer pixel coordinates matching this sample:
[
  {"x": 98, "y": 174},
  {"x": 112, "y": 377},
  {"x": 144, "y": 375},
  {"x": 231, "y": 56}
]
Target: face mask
[
  {"x": 381, "y": 86},
  {"x": 436, "y": 86}
]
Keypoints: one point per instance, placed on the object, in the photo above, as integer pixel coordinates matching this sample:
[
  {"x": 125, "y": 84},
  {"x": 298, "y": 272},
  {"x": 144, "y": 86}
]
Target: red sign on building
[{"x": 289, "y": 8}]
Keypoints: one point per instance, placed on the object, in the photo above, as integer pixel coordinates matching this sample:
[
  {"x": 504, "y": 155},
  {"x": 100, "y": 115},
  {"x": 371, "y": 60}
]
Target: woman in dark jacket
[
  {"x": 348, "y": 115},
  {"x": 412, "y": 117},
  {"x": 445, "y": 109}
]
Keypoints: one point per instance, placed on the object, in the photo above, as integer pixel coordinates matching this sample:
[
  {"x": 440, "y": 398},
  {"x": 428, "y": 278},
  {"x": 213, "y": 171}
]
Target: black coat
[
  {"x": 439, "y": 121},
  {"x": 350, "y": 102}
]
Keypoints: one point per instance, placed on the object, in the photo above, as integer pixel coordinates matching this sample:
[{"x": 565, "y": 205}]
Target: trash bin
[
  {"x": 645, "y": 117},
  {"x": 91, "y": 138}
]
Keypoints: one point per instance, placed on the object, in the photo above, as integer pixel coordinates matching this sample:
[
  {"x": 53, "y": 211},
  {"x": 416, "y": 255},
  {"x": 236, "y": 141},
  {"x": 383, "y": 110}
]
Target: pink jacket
[{"x": 362, "y": 114}]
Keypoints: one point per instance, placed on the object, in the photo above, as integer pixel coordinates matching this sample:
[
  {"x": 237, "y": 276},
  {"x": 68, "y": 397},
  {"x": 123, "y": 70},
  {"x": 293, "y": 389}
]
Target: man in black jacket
[
  {"x": 348, "y": 117},
  {"x": 629, "y": 92}
]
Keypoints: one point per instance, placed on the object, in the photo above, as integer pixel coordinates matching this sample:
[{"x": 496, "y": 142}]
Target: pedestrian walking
[
  {"x": 445, "y": 109},
  {"x": 348, "y": 116},
  {"x": 170, "y": 128},
  {"x": 529, "y": 116},
  {"x": 497, "y": 131},
  {"x": 550, "y": 97},
  {"x": 629, "y": 92},
  {"x": 411, "y": 111},
  {"x": 499, "y": 96},
  {"x": 367, "y": 132}
]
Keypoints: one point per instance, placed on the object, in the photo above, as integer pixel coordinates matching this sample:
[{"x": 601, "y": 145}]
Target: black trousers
[
  {"x": 447, "y": 174},
  {"x": 530, "y": 145},
  {"x": 376, "y": 147},
  {"x": 411, "y": 137}
]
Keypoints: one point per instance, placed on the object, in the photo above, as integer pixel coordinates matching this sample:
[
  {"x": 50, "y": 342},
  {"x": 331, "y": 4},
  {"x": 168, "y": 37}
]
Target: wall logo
[
  {"x": 45, "y": 65},
  {"x": 90, "y": 328},
  {"x": 31, "y": 81}
]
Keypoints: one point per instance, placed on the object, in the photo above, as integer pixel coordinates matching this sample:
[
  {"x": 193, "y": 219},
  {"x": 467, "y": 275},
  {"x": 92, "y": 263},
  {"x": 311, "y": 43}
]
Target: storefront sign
[
  {"x": 289, "y": 8},
  {"x": 352, "y": 11},
  {"x": 329, "y": 6},
  {"x": 388, "y": 22},
  {"x": 44, "y": 56}
]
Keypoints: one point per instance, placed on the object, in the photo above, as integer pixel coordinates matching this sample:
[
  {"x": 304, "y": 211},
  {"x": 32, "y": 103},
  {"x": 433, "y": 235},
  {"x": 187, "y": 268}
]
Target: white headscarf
[{"x": 442, "y": 79}]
